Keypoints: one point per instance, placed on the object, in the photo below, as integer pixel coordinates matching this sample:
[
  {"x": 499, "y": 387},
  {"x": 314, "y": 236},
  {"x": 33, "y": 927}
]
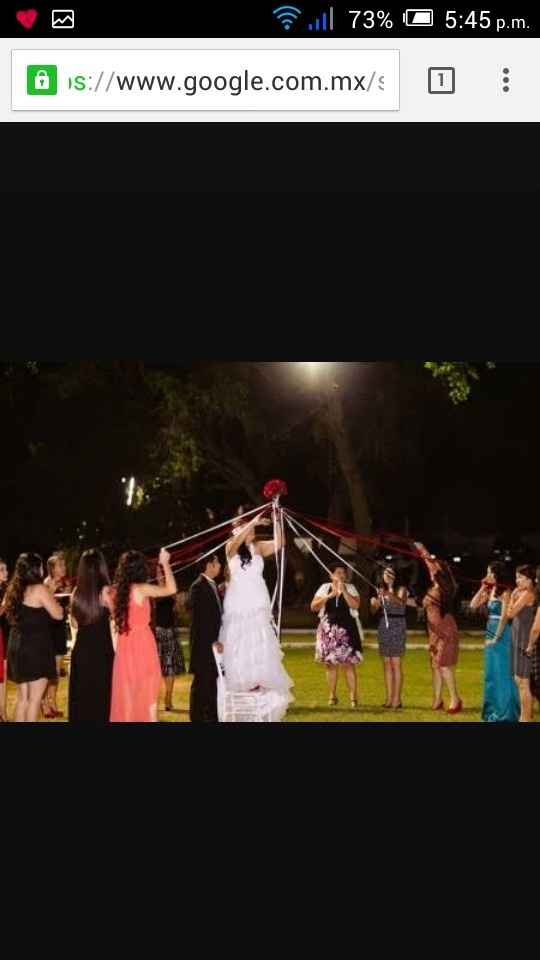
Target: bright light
[
  {"x": 131, "y": 491},
  {"x": 457, "y": 559},
  {"x": 312, "y": 366}
]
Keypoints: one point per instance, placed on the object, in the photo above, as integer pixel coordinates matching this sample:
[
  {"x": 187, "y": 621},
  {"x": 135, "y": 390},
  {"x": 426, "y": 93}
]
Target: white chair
[{"x": 239, "y": 707}]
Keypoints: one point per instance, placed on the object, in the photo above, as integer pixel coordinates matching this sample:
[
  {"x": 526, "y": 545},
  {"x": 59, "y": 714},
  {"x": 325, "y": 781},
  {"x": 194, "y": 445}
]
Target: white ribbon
[
  {"x": 318, "y": 559},
  {"x": 341, "y": 560},
  {"x": 217, "y": 527},
  {"x": 176, "y": 569},
  {"x": 282, "y": 575}
]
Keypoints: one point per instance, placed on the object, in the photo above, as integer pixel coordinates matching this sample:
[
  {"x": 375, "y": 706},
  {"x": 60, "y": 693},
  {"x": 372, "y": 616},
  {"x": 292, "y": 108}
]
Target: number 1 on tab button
[{"x": 442, "y": 80}]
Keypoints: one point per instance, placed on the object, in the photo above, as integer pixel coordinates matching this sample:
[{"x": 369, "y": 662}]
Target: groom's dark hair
[{"x": 204, "y": 563}]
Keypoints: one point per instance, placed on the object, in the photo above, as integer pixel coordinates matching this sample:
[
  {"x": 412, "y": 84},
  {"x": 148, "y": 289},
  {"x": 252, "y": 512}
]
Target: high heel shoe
[
  {"x": 457, "y": 709},
  {"x": 333, "y": 702},
  {"x": 440, "y": 706},
  {"x": 354, "y": 704},
  {"x": 47, "y": 712}
]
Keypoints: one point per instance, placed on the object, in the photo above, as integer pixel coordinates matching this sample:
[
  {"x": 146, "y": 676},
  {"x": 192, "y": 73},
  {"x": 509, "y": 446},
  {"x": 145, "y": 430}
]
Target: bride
[{"x": 251, "y": 652}]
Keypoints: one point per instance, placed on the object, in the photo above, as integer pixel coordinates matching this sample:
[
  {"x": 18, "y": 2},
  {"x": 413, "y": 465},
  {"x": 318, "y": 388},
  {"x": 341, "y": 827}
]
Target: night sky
[{"x": 429, "y": 467}]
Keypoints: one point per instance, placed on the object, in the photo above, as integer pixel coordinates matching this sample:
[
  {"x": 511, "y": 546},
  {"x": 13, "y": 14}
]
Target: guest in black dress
[
  {"x": 58, "y": 584},
  {"x": 29, "y": 607},
  {"x": 169, "y": 648},
  {"x": 90, "y": 677},
  {"x": 3, "y": 644}
]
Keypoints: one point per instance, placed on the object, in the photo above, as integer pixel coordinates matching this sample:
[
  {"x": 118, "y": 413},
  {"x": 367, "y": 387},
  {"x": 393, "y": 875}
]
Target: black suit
[{"x": 205, "y": 605}]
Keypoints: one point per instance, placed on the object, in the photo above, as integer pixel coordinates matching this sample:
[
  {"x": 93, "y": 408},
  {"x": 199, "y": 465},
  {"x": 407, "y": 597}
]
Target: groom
[{"x": 204, "y": 602}]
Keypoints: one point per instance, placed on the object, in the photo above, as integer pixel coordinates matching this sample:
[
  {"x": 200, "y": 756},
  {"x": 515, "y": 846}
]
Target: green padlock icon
[{"x": 42, "y": 79}]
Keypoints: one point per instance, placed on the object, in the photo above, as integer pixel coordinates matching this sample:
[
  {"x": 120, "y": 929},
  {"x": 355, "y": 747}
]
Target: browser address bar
[{"x": 45, "y": 80}]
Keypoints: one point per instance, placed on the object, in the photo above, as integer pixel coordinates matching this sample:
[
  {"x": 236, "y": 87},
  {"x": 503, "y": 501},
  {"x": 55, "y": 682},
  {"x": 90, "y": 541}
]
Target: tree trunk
[{"x": 347, "y": 460}]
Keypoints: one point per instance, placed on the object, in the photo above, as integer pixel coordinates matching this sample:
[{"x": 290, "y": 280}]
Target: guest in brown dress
[{"x": 443, "y": 632}]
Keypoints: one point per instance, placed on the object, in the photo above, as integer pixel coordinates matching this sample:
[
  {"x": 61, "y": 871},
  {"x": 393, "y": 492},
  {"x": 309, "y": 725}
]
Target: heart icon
[{"x": 27, "y": 18}]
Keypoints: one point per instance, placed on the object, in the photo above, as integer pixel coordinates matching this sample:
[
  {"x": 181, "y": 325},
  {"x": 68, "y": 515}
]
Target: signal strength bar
[{"x": 324, "y": 23}]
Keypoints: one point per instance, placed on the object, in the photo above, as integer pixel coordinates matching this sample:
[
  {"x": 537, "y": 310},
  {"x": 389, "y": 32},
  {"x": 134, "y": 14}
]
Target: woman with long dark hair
[
  {"x": 137, "y": 670},
  {"x": 29, "y": 607},
  {"x": 391, "y": 633},
  {"x": 58, "y": 584},
  {"x": 533, "y": 647},
  {"x": 522, "y": 611},
  {"x": 443, "y": 631},
  {"x": 3, "y": 644},
  {"x": 90, "y": 677},
  {"x": 169, "y": 647},
  {"x": 501, "y": 699},
  {"x": 251, "y": 651}
]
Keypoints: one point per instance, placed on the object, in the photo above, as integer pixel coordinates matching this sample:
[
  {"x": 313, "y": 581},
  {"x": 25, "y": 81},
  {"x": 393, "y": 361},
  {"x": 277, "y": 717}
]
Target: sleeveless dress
[
  {"x": 392, "y": 638},
  {"x": 59, "y": 629},
  {"x": 443, "y": 634},
  {"x": 90, "y": 675},
  {"x": 168, "y": 638},
  {"x": 501, "y": 698},
  {"x": 338, "y": 637},
  {"x": 31, "y": 650},
  {"x": 252, "y": 656},
  {"x": 521, "y": 628},
  {"x": 136, "y": 672}
]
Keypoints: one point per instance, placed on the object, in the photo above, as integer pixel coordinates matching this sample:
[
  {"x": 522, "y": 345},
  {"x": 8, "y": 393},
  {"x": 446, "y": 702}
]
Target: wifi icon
[{"x": 287, "y": 15}]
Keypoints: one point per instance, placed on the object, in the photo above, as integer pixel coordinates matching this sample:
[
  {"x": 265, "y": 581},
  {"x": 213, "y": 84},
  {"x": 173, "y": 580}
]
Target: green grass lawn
[{"x": 312, "y": 695}]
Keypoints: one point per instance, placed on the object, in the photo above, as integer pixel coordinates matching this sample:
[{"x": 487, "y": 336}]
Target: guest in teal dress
[{"x": 501, "y": 698}]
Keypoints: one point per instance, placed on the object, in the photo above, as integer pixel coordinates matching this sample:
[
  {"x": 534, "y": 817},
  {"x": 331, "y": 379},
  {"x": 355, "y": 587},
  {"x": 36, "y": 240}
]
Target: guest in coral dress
[
  {"x": 137, "y": 670},
  {"x": 443, "y": 631}
]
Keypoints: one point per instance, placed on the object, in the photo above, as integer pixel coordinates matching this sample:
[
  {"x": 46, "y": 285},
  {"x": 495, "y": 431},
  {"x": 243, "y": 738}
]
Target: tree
[{"x": 458, "y": 374}]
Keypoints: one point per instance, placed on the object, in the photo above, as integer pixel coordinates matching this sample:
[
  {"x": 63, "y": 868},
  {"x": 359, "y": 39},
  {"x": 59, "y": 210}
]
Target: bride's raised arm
[
  {"x": 236, "y": 541},
  {"x": 267, "y": 548}
]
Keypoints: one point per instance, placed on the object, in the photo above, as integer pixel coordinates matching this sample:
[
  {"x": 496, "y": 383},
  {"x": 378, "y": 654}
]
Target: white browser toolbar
[{"x": 412, "y": 80}]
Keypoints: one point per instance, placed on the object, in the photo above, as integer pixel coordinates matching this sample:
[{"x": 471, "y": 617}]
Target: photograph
[{"x": 225, "y": 541}]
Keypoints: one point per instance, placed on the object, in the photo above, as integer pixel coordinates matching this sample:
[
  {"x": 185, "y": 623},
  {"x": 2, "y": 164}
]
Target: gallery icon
[{"x": 63, "y": 19}]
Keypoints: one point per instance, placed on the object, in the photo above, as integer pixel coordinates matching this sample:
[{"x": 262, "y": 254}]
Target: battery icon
[{"x": 418, "y": 18}]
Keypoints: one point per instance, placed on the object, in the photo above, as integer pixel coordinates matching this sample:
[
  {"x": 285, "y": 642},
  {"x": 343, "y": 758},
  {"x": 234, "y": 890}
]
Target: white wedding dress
[{"x": 252, "y": 656}]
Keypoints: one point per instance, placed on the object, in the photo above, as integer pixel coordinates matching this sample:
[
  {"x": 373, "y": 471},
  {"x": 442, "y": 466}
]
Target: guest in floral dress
[{"x": 339, "y": 642}]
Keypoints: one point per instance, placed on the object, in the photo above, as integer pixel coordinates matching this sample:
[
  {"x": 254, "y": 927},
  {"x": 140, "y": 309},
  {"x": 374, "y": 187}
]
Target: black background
[
  {"x": 114, "y": 19},
  {"x": 290, "y": 158}
]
